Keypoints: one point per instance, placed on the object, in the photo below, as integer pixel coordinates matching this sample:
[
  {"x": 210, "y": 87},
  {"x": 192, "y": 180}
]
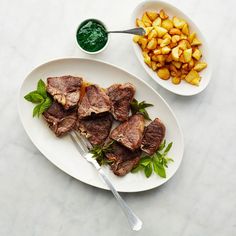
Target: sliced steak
[
  {"x": 94, "y": 101},
  {"x": 123, "y": 159},
  {"x": 130, "y": 132},
  {"x": 121, "y": 95},
  {"x": 65, "y": 90},
  {"x": 60, "y": 120},
  {"x": 154, "y": 134},
  {"x": 96, "y": 129}
]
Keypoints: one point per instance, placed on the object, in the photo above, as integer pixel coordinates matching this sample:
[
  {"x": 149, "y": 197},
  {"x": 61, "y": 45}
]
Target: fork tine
[
  {"x": 84, "y": 141},
  {"x": 77, "y": 144},
  {"x": 85, "y": 148}
]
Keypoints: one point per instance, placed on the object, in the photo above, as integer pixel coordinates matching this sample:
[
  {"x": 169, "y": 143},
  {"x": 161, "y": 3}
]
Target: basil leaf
[
  {"x": 34, "y": 97},
  {"x": 144, "y": 113},
  {"x": 167, "y": 149},
  {"x": 162, "y": 146},
  {"x": 145, "y": 161},
  {"x": 45, "y": 105},
  {"x": 137, "y": 169},
  {"x": 159, "y": 169},
  {"x": 148, "y": 170},
  {"x": 36, "y": 110},
  {"x": 41, "y": 88},
  {"x": 137, "y": 107},
  {"x": 143, "y": 104}
]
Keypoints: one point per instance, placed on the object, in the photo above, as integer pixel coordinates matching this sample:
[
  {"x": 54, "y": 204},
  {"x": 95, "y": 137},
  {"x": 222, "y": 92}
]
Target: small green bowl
[{"x": 78, "y": 28}]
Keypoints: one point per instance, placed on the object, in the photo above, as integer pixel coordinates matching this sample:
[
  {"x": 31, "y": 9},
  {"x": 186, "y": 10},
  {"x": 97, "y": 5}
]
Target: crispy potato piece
[
  {"x": 175, "y": 38},
  {"x": 182, "y": 36},
  {"x": 154, "y": 65},
  {"x": 157, "y": 22},
  {"x": 136, "y": 38},
  {"x": 191, "y": 76},
  {"x": 165, "y": 50},
  {"x": 152, "y": 34},
  {"x": 163, "y": 73},
  {"x": 184, "y": 44},
  {"x": 165, "y": 42},
  {"x": 163, "y": 15},
  {"x": 143, "y": 41},
  {"x": 157, "y": 51},
  {"x": 169, "y": 58},
  {"x": 139, "y": 23},
  {"x": 197, "y": 54},
  {"x": 148, "y": 30},
  {"x": 176, "y": 80},
  {"x": 160, "y": 31},
  {"x": 175, "y": 53},
  {"x": 152, "y": 44},
  {"x": 177, "y": 64},
  {"x": 174, "y": 31},
  {"x": 200, "y": 66},
  {"x": 178, "y": 23},
  {"x": 152, "y": 15},
  {"x": 185, "y": 29},
  {"x": 191, "y": 64},
  {"x": 188, "y": 55},
  {"x": 166, "y": 36},
  {"x": 167, "y": 24},
  {"x": 196, "y": 81},
  {"x": 145, "y": 19},
  {"x": 195, "y": 42},
  {"x": 191, "y": 37}
]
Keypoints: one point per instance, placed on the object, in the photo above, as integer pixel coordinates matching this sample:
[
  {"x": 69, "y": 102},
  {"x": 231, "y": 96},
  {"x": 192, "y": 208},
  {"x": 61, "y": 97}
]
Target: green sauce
[{"x": 92, "y": 36}]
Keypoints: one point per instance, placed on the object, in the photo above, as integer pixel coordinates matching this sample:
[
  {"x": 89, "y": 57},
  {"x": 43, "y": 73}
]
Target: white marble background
[{"x": 37, "y": 199}]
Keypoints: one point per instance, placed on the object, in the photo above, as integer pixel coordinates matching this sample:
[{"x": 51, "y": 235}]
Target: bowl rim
[{"x": 108, "y": 37}]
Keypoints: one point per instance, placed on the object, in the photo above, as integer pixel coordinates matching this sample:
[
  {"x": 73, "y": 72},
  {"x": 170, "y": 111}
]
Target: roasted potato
[{"x": 169, "y": 48}]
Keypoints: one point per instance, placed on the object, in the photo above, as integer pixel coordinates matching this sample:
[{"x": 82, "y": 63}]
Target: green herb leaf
[
  {"x": 137, "y": 107},
  {"x": 158, "y": 162},
  {"x": 34, "y": 97},
  {"x": 162, "y": 146},
  {"x": 167, "y": 149},
  {"x": 148, "y": 170},
  {"x": 39, "y": 97},
  {"x": 99, "y": 153},
  {"x": 36, "y": 110},
  {"x": 145, "y": 161},
  {"x": 159, "y": 169},
  {"x": 41, "y": 88},
  {"x": 45, "y": 105}
]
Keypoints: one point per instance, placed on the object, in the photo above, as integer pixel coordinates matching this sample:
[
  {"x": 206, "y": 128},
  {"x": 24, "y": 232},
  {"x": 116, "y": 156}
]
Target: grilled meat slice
[
  {"x": 96, "y": 129},
  {"x": 130, "y": 132},
  {"x": 122, "y": 159},
  {"x": 154, "y": 134},
  {"x": 60, "y": 120},
  {"x": 65, "y": 90},
  {"x": 121, "y": 95},
  {"x": 94, "y": 101}
]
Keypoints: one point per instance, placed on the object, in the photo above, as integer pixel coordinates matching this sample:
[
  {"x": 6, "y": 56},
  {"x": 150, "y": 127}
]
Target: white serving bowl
[{"x": 183, "y": 88}]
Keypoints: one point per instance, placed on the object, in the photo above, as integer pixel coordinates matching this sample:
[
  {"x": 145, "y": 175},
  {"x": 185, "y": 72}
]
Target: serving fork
[{"x": 83, "y": 146}]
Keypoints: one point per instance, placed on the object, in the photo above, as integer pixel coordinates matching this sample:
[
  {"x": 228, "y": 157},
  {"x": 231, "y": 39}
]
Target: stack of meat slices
[{"x": 91, "y": 110}]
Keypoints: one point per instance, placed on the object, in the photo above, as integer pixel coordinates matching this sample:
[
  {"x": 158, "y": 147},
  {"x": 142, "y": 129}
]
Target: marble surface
[{"x": 37, "y": 199}]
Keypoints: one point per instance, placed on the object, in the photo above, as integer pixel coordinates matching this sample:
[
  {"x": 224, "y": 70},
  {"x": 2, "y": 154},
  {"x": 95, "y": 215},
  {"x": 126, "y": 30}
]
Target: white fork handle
[{"x": 134, "y": 221}]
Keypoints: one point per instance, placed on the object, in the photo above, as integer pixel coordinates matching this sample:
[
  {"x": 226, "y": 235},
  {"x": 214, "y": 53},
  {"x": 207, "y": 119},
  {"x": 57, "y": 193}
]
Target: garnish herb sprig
[
  {"x": 140, "y": 107},
  {"x": 99, "y": 153},
  {"x": 157, "y": 163},
  {"x": 39, "y": 97}
]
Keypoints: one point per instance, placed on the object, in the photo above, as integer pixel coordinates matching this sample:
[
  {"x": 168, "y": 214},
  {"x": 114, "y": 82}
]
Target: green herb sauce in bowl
[{"x": 92, "y": 36}]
